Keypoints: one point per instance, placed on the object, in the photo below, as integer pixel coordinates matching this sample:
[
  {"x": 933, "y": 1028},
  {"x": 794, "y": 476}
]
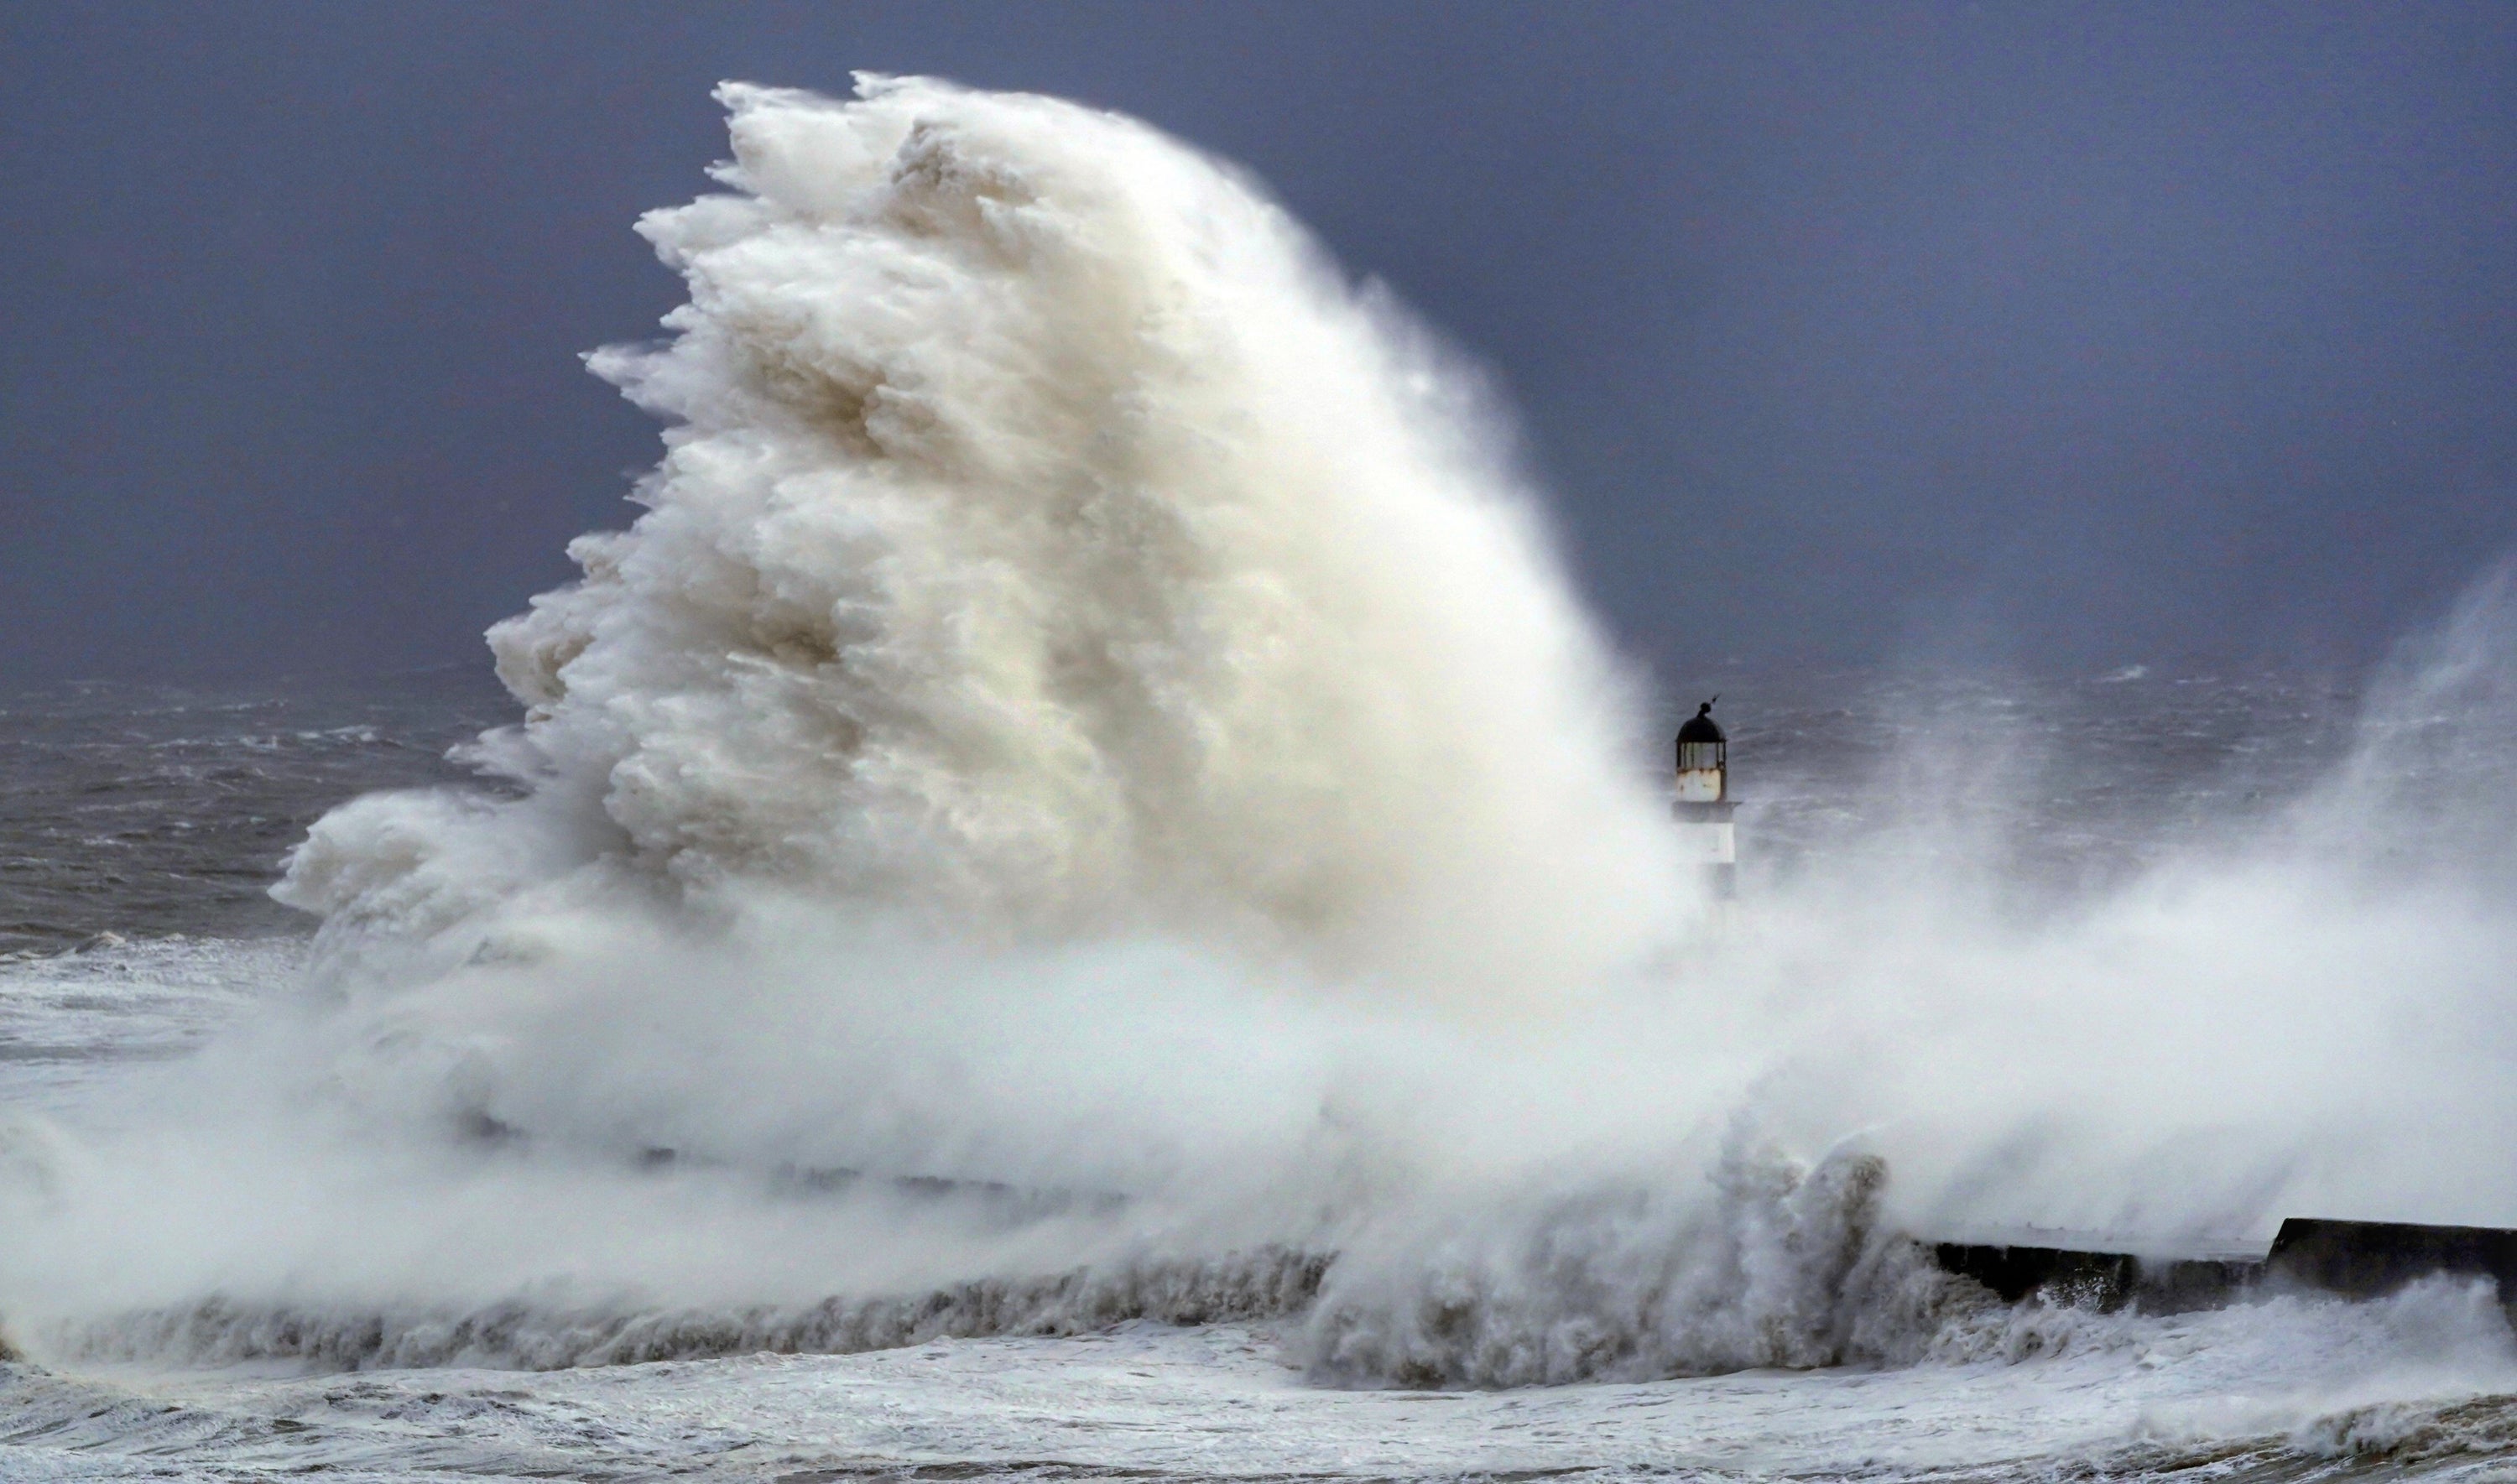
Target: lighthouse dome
[{"x": 1703, "y": 759}]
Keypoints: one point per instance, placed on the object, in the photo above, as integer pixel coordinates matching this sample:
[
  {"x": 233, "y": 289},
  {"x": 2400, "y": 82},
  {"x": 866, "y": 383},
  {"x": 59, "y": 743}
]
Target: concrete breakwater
[{"x": 2358, "y": 1260}]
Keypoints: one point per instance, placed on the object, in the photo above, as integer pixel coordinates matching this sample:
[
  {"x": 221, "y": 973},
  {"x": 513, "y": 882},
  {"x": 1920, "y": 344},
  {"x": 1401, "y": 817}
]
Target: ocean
[
  {"x": 1080, "y": 896},
  {"x": 146, "y": 825}
]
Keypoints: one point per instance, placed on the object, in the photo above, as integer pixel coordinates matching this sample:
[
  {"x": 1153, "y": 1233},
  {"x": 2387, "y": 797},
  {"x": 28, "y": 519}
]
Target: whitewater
[{"x": 1079, "y": 895}]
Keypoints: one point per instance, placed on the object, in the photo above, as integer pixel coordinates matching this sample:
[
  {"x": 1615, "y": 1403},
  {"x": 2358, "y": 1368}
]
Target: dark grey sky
[{"x": 2065, "y": 336}]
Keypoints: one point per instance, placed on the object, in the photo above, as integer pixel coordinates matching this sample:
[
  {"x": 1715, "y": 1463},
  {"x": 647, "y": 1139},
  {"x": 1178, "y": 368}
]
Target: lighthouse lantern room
[{"x": 1703, "y": 806}]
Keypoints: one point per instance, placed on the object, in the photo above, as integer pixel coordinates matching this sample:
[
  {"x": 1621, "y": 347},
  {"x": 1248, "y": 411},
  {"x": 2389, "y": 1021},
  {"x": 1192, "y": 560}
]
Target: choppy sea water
[
  {"x": 142, "y": 827},
  {"x": 159, "y": 811}
]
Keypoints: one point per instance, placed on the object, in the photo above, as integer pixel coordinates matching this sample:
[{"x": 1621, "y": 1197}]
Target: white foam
[{"x": 2285, "y": 1390}]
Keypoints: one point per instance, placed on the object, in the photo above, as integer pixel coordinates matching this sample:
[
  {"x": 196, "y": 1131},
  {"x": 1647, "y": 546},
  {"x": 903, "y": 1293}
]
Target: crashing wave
[
  {"x": 1048, "y": 543},
  {"x": 1086, "y": 708},
  {"x": 1787, "y": 1266},
  {"x": 549, "y": 1333}
]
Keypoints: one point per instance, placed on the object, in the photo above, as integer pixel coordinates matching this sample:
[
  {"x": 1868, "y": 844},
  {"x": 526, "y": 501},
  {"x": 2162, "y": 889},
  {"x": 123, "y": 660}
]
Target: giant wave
[{"x": 1087, "y": 710}]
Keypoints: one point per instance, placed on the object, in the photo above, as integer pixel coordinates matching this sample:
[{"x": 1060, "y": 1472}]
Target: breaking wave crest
[
  {"x": 1788, "y": 1268},
  {"x": 541, "y": 1335}
]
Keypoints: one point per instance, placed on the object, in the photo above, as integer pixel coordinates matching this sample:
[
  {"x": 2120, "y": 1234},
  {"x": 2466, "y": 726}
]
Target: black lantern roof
[{"x": 1701, "y": 727}]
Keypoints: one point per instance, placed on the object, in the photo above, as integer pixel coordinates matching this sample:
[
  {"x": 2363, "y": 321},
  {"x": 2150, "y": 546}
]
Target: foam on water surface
[
  {"x": 2423, "y": 1387},
  {"x": 69, "y": 1021}
]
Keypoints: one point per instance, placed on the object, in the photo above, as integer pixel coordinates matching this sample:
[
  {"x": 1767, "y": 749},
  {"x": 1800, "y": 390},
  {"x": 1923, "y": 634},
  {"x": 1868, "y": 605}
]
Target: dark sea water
[
  {"x": 2076, "y": 781},
  {"x": 152, "y": 810},
  {"x": 145, "y": 811}
]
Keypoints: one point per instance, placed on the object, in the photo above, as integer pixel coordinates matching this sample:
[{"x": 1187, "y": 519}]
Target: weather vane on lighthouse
[{"x": 1703, "y": 806}]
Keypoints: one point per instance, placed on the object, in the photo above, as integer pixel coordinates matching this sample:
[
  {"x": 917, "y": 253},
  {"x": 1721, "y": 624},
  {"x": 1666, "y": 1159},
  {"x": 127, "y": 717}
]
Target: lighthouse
[{"x": 1703, "y": 806}]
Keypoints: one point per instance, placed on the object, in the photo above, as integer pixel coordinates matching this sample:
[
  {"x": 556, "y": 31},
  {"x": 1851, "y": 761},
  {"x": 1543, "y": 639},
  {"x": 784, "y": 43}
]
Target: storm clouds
[{"x": 2053, "y": 337}]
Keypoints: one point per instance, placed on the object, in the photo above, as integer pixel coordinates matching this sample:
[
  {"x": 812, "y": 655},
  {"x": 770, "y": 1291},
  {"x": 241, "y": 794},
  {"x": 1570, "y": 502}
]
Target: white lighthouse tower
[{"x": 1703, "y": 804}]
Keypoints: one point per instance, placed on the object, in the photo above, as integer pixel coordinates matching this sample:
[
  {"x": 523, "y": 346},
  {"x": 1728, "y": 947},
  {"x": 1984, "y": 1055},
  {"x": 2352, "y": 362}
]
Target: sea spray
[
  {"x": 1787, "y": 1266},
  {"x": 1086, "y": 707},
  {"x": 1048, "y": 545}
]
